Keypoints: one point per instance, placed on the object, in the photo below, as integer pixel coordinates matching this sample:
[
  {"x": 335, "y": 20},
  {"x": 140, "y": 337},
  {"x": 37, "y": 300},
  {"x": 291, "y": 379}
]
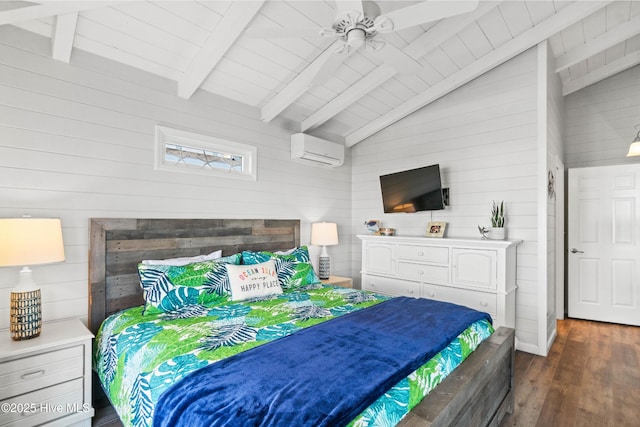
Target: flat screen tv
[{"x": 412, "y": 190}]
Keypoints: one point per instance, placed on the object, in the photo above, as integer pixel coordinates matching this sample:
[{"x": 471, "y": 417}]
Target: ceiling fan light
[{"x": 356, "y": 37}]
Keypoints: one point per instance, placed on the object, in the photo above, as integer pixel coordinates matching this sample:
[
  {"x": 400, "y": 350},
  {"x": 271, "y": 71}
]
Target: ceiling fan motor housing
[{"x": 356, "y": 29}]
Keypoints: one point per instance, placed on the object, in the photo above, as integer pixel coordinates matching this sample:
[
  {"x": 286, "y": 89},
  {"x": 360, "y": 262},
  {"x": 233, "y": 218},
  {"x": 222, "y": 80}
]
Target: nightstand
[
  {"x": 345, "y": 282},
  {"x": 47, "y": 379}
]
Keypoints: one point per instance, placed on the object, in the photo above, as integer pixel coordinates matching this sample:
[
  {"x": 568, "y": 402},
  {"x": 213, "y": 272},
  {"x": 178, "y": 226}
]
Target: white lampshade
[
  {"x": 324, "y": 234},
  {"x": 25, "y": 242},
  {"x": 30, "y": 241}
]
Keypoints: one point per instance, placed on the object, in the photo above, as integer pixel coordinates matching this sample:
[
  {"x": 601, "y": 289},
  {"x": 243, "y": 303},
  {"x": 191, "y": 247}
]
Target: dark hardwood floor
[{"x": 591, "y": 377}]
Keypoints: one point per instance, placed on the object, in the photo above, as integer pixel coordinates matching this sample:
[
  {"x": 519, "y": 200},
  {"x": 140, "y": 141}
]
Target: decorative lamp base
[
  {"x": 25, "y": 315},
  {"x": 324, "y": 267}
]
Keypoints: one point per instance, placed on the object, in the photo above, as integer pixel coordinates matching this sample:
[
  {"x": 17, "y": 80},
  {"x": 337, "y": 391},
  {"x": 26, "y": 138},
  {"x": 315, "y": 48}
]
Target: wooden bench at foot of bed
[{"x": 480, "y": 392}]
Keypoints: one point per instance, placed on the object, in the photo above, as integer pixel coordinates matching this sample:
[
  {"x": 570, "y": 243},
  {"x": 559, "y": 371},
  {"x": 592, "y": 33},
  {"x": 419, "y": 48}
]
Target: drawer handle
[
  {"x": 420, "y": 253},
  {"x": 484, "y": 303},
  {"x": 31, "y": 375},
  {"x": 420, "y": 271},
  {"x": 431, "y": 294},
  {"x": 410, "y": 291}
]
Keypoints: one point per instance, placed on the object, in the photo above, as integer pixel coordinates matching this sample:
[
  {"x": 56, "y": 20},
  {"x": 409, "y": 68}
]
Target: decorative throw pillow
[
  {"x": 253, "y": 281},
  {"x": 287, "y": 252},
  {"x": 184, "y": 260},
  {"x": 208, "y": 281},
  {"x": 294, "y": 270}
]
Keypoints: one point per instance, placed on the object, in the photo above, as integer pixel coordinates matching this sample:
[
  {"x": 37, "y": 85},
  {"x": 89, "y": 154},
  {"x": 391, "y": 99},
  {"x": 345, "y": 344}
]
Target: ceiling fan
[{"x": 360, "y": 23}]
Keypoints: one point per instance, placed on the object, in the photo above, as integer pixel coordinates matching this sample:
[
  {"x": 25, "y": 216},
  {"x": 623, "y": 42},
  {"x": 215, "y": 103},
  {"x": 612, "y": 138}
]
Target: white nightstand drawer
[
  {"x": 46, "y": 405},
  {"x": 31, "y": 373}
]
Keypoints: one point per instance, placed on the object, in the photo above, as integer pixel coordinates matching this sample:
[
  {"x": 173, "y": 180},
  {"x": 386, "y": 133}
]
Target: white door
[{"x": 604, "y": 249}]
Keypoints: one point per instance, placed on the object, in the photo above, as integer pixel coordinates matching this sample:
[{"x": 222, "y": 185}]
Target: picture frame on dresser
[{"x": 436, "y": 229}]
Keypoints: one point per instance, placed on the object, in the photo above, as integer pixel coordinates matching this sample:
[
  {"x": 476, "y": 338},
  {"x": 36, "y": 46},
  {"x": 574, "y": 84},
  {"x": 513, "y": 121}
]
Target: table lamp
[
  {"x": 324, "y": 234},
  {"x": 25, "y": 242}
]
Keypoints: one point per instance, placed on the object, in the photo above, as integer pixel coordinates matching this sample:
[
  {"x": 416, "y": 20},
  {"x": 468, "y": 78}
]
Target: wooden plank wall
[
  {"x": 600, "y": 121},
  {"x": 484, "y": 136},
  {"x": 554, "y": 102},
  {"x": 77, "y": 142}
]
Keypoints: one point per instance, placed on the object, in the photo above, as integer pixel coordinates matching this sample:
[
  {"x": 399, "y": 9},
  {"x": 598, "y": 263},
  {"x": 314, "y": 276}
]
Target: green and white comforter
[{"x": 138, "y": 356}]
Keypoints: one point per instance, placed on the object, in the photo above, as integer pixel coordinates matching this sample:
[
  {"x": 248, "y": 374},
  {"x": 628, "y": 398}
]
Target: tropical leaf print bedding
[{"x": 138, "y": 357}]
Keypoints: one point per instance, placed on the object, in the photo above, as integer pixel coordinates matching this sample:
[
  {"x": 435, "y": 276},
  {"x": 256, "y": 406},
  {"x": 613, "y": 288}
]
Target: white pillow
[
  {"x": 183, "y": 260},
  {"x": 253, "y": 281},
  {"x": 287, "y": 252}
]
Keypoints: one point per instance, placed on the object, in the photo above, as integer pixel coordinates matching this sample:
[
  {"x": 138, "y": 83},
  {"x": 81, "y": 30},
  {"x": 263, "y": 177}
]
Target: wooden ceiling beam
[
  {"x": 362, "y": 87},
  {"x": 565, "y": 17},
  {"x": 299, "y": 85},
  {"x": 63, "y": 34},
  {"x": 53, "y": 8},
  {"x": 622, "y": 64},
  {"x": 418, "y": 48},
  {"x": 445, "y": 29},
  {"x": 609, "y": 39},
  {"x": 230, "y": 27}
]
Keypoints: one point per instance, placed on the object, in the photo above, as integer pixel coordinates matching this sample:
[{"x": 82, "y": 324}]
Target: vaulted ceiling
[{"x": 270, "y": 54}]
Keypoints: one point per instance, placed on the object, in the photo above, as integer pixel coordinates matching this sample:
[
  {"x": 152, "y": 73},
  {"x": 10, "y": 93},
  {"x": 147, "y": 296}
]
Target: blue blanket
[{"x": 321, "y": 376}]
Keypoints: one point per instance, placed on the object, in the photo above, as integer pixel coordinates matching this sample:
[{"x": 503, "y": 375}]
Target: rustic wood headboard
[{"x": 117, "y": 245}]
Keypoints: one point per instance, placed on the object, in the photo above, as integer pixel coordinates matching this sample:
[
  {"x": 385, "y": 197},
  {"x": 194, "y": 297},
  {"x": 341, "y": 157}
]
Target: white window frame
[{"x": 167, "y": 135}]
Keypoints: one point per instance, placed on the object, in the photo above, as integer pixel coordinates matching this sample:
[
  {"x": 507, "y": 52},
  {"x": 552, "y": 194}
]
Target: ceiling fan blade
[
  {"x": 421, "y": 13},
  {"x": 396, "y": 58},
  {"x": 283, "y": 33},
  {"x": 344, "y": 7},
  {"x": 328, "y": 69}
]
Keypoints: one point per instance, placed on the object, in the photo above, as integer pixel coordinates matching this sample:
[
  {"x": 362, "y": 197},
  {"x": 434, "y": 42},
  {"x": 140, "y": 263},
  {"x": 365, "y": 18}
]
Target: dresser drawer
[
  {"x": 31, "y": 373},
  {"x": 431, "y": 254},
  {"x": 423, "y": 272},
  {"x": 45, "y": 405},
  {"x": 383, "y": 285},
  {"x": 480, "y": 301}
]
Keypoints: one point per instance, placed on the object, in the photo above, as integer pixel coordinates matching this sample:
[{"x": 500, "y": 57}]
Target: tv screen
[{"x": 412, "y": 190}]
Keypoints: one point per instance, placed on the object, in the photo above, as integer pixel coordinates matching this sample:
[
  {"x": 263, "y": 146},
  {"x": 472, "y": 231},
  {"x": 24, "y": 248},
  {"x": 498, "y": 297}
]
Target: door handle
[{"x": 575, "y": 251}]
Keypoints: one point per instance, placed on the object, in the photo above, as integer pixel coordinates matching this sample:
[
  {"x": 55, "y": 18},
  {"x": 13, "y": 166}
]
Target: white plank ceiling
[{"x": 220, "y": 47}]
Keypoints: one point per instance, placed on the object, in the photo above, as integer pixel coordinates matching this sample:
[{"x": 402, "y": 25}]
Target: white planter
[{"x": 497, "y": 233}]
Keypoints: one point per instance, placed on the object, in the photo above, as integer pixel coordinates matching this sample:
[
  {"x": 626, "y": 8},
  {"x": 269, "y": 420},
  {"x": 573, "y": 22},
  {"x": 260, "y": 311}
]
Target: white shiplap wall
[
  {"x": 484, "y": 136},
  {"x": 76, "y": 141},
  {"x": 600, "y": 120},
  {"x": 551, "y": 153}
]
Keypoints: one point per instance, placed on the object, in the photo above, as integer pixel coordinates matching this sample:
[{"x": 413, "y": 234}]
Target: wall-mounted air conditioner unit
[{"x": 312, "y": 150}]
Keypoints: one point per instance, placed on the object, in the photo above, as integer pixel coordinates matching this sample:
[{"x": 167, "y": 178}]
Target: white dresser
[
  {"x": 47, "y": 380},
  {"x": 477, "y": 273}
]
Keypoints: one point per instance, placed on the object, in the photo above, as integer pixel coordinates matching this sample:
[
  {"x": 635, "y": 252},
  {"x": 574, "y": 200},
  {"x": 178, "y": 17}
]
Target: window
[{"x": 182, "y": 151}]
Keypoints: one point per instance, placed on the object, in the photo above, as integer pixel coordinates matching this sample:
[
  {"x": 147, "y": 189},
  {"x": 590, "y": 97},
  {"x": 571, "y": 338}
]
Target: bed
[{"x": 478, "y": 392}]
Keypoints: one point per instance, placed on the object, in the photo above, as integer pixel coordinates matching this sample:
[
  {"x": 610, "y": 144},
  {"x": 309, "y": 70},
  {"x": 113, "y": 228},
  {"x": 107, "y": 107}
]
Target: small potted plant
[{"x": 497, "y": 221}]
